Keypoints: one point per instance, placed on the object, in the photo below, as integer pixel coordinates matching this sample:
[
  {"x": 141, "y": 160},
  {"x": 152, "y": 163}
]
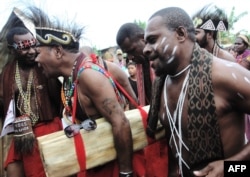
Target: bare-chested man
[
  {"x": 97, "y": 95},
  {"x": 200, "y": 105}
]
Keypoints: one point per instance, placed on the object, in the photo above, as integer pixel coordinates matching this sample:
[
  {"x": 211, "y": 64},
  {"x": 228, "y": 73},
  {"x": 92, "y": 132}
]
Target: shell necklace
[{"x": 24, "y": 97}]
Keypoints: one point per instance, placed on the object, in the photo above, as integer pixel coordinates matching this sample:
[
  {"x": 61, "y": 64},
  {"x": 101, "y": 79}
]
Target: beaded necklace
[
  {"x": 69, "y": 86},
  {"x": 105, "y": 73},
  {"x": 24, "y": 97},
  {"x": 67, "y": 91}
]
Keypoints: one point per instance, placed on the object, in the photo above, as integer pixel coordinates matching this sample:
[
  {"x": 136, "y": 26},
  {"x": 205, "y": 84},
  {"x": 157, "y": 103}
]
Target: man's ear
[
  {"x": 58, "y": 51},
  {"x": 210, "y": 34},
  {"x": 181, "y": 33}
]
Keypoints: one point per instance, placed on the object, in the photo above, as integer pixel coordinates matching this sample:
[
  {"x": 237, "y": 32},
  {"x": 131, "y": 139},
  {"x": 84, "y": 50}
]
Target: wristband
[{"x": 126, "y": 174}]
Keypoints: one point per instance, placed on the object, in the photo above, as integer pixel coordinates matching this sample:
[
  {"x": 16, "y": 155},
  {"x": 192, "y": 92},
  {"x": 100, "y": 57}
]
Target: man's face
[
  {"x": 24, "y": 47},
  {"x": 161, "y": 45},
  {"x": 134, "y": 49},
  {"x": 46, "y": 58},
  {"x": 201, "y": 37}
]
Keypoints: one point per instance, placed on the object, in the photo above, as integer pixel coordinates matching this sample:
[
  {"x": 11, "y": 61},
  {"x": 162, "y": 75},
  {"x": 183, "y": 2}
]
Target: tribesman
[{"x": 200, "y": 105}]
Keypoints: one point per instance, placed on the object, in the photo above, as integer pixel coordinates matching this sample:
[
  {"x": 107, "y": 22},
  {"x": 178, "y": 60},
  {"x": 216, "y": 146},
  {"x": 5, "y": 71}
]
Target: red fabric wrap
[
  {"x": 32, "y": 163},
  {"x": 79, "y": 143},
  {"x": 144, "y": 116},
  {"x": 81, "y": 156}
]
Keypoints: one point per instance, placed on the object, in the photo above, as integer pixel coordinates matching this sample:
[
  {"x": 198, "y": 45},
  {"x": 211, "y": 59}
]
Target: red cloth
[
  {"x": 140, "y": 85},
  {"x": 156, "y": 156},
  {"x": 32, "y": 163},
  {"x": 111, "y": 169},
  {"x": 153, "y": 162}
]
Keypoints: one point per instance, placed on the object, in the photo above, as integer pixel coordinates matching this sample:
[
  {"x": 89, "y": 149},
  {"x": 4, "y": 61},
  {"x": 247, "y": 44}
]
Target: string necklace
[
  {"x": 24, "y": 97},
  {"x": 177, "y": 116},
  {"x": 179, "y": 73}
]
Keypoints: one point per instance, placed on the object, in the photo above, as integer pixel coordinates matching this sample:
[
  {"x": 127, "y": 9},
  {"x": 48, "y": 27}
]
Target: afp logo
[{"x": 236, "y": 168}]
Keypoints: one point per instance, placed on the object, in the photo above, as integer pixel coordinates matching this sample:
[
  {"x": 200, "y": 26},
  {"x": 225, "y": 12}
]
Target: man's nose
[{"x": 146, "y": 50}]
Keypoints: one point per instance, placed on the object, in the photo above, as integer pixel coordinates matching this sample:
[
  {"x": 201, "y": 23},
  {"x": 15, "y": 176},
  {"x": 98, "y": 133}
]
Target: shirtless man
[
  {"x": 97, "y": 95},
  {"x": 200, "y": 105}
]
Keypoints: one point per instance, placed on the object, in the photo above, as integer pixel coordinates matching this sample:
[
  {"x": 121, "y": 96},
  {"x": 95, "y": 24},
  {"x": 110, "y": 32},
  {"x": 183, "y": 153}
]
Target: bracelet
[{"x": 126, "y": 174}]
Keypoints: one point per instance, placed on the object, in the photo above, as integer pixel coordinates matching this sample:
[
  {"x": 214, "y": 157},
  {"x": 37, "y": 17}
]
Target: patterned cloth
[
  {"x": 203, "y": 130},
  {"x": 145, "y": 76}
]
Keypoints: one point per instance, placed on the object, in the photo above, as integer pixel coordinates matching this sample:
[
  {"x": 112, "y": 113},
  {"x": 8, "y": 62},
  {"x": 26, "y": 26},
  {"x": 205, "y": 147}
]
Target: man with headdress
[
  {"x": 199, "y": 105},
  {"x": 208, "y": 22},
  {"x": 31, "y": 102},
  {"x": 95, "y": 92}
]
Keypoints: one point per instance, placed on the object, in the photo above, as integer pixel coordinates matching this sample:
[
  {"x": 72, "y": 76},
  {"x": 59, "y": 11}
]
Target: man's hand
[{"x": 213, "y": 169}]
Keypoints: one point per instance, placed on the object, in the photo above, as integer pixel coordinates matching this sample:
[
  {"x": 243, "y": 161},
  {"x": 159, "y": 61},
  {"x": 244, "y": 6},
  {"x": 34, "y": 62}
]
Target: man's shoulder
[{"x": 91, "y": 71}]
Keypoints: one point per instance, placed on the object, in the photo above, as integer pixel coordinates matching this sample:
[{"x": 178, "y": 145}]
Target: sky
[{"x": 103, "y": 18}]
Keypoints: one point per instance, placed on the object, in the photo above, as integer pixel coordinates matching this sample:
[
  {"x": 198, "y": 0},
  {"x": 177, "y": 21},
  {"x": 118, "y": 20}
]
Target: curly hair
[
  {"x": 175, "y": 17},
  {"x": 128, "y": 30}
]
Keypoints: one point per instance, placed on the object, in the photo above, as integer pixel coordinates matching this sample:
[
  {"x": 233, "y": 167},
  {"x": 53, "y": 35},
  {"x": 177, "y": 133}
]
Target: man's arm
[
  {"x": 119, "y": 75},
  {"x": 231, "y": 84},
  {"x": 99, "y": 90}
]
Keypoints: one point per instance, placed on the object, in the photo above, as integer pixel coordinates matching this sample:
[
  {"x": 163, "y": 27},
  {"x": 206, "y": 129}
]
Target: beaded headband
[
  {"x": 212, "y": 25},
  {"x": 49, "y": 36},
  {"x": 25, "y": 44}
]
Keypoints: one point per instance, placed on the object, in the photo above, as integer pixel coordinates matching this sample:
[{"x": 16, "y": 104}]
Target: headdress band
[
  {"x": 209, "y": 24},
  {"x": 25, "y": 44},
  {"x": 50, "y": 36}
]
